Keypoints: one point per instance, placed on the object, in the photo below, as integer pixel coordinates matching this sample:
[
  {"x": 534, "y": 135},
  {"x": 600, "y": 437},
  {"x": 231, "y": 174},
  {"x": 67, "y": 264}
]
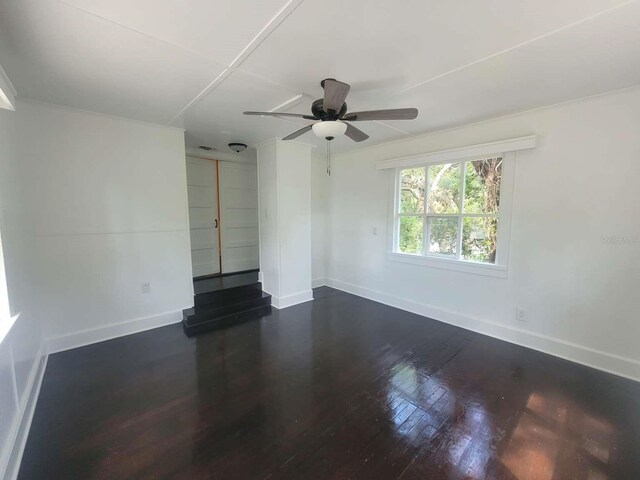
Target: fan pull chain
[{"x": 329, "y": 157}]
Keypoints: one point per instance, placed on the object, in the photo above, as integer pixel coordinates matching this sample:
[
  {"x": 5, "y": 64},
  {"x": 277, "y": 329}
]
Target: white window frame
[{"x": 500, "y": 267}]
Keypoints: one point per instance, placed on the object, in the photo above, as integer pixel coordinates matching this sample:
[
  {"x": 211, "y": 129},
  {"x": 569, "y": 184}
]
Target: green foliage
[
  {"x": 479, "y": 238},
  {"x": 444, "y": 188},
  {"x": 411, "y": 232},
  {"x": 444, "y": 235},
  {"x": 412, "y": 191},
  {"x": 481, "y": 196},
  {"x": 482, "y": 186}
]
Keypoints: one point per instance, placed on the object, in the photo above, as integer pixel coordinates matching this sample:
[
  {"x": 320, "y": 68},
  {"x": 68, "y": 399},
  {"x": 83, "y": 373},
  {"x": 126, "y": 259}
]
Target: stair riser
[
  {"x": 230, "y": 295},
  {"x": 223, "y": 311},
  {"x": 227, "y": 321}
]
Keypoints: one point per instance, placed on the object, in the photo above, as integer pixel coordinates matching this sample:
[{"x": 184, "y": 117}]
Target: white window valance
[{"x": 471, "y": 151}]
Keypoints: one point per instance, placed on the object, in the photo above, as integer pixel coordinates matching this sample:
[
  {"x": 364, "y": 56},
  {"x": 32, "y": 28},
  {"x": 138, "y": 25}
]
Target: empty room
[{"x": 319, "y": 239}]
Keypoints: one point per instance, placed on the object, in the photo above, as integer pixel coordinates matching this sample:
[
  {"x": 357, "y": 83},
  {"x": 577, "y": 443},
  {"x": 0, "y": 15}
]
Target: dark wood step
[
  {"x": 226, "y": 321},
  {"x": 224, "y": 282},
  {"x": 228, "y": 295},
  {"x": 201, "y": 313}
]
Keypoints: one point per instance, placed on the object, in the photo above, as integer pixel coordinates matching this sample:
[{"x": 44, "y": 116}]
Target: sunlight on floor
[{"x": 553, "y": 431}]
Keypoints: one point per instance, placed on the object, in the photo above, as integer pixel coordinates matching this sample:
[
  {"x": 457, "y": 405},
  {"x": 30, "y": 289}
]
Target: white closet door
[
  {"x": 202, "y": 188},
  {"x": 239, "y": 216}
]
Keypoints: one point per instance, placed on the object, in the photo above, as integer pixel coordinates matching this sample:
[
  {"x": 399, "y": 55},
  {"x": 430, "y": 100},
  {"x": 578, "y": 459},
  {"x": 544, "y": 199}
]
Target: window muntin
[{"x": 450, "y": 210}]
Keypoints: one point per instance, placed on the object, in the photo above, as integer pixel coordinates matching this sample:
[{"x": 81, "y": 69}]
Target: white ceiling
[{"x": 199, "y": 64}]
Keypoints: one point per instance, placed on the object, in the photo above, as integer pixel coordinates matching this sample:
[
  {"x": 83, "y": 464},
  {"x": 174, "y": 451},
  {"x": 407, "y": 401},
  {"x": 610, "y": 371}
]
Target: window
[{"x": 452, "y": 212}]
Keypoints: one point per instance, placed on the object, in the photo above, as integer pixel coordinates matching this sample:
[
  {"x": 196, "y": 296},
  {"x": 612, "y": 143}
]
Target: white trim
[
  {"x": 461, "y": 153},
  {"x": 15, "y": 445},
  {"x": 291, "y": 300},
  {"x": 590, "y": 357},
  {"x": 108, "y": 332},
  {"x": 507, "y": 184},
  {"x": 490, "y": 270},
  {"x": 425, "y": 259},
  {"x": 318, "y": 282}
]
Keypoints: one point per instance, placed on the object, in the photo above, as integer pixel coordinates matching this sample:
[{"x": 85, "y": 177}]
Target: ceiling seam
[
  {"x": 519, "y": 45},
  {"x": 273, "y": 82},
  {"x": 131, "y": 29},
  {"x": 267, "y": 30},
  {"x": 216, "y": 81},
  {"x": 514, "y": 47},
  {"x": 393, "y": 128},
  {"x": 262, "y": 35}
]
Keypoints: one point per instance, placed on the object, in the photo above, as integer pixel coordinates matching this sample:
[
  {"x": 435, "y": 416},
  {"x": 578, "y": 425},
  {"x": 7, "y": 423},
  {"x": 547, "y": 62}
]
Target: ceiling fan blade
[
  {"x": 392, "y": 114},
  {"x": 281, "y": 114},
  {"x": 355, "y": 134},
  {"x": 297, "y": 133},
  {"x": 335, "y": 93}
]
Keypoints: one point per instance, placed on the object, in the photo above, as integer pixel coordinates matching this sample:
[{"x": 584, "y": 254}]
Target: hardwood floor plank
[{"x": 341, "y": 387}]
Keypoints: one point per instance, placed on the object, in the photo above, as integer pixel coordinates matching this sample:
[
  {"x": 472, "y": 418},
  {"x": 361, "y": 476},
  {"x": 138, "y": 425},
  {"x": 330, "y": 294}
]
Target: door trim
[{"x": 219, "y": 216}]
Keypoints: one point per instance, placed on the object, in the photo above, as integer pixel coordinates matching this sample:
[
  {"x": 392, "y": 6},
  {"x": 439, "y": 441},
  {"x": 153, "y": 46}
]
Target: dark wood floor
[{"x": 340, "y": 387}]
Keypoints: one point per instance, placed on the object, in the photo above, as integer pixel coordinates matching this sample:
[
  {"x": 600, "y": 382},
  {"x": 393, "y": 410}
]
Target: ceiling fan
[{"x": 331, "y": 114}]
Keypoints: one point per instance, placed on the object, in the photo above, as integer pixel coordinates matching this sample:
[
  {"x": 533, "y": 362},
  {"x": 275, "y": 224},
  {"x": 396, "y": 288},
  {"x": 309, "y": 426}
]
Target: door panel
[
  {"x": 239, "y": 217},
  {"x": 203, "y": 216}
]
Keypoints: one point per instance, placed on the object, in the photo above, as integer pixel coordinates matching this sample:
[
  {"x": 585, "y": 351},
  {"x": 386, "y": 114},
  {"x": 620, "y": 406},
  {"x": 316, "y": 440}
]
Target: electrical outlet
[
  {"x": 145, "y": 288},
  {"x": 375, "y": 230},
  {"x": 522, "y": 315}
]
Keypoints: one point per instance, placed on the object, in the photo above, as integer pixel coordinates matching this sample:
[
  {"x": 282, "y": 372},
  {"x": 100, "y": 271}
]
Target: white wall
[
  {"x": 108, "y": 203},
  {"x": 319, "y": 201},
  {"x": 91, "y": 207},
  {"x": 284, "y": 189},
  {"x": 22, "y": 347},
  {"x": 268, "y": 218},
  {"x": 578, "y": 185}
]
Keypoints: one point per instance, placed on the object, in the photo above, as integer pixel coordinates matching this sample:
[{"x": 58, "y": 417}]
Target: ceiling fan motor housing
[{"x": 318, "y": 111}]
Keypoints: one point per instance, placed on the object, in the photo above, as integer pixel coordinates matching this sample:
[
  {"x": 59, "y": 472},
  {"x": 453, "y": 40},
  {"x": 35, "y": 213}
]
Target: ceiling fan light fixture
[{"x": 329, "y": 128}]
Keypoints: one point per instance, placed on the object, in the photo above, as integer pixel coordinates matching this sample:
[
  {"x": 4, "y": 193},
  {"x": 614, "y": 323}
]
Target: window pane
[
  {"x": 444, "y": 188},
  {"x": 482, "y": 186},
  {"x": 479, "y": 239},
  {"x": 412, "y": 190},
  {"x": 411, "y": 233},
  {"x": 443, "y": 235}
]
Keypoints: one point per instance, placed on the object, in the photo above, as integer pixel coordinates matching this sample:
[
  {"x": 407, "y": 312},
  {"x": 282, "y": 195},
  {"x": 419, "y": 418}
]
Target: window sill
[{"x": 498, "y": 271}]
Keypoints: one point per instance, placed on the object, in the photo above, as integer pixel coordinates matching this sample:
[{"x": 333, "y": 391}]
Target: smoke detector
[{"x": 237, "y": 147}]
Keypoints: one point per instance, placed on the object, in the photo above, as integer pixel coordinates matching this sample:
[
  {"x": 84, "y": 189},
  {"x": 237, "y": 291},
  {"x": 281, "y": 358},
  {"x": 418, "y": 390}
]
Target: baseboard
[
  {"x": 25, "y": 416},
  {"x": 261, "y": 277},
  {"x": 590, "y": 357},
  {"x": 318, "y": 282},
  {"x": 291, "y": 300},
  {"x": 100, "y": 334}
]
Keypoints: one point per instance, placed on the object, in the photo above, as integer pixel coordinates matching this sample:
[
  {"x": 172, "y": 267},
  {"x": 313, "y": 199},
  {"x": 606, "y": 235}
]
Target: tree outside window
[{"x": 450, "y": 210}]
